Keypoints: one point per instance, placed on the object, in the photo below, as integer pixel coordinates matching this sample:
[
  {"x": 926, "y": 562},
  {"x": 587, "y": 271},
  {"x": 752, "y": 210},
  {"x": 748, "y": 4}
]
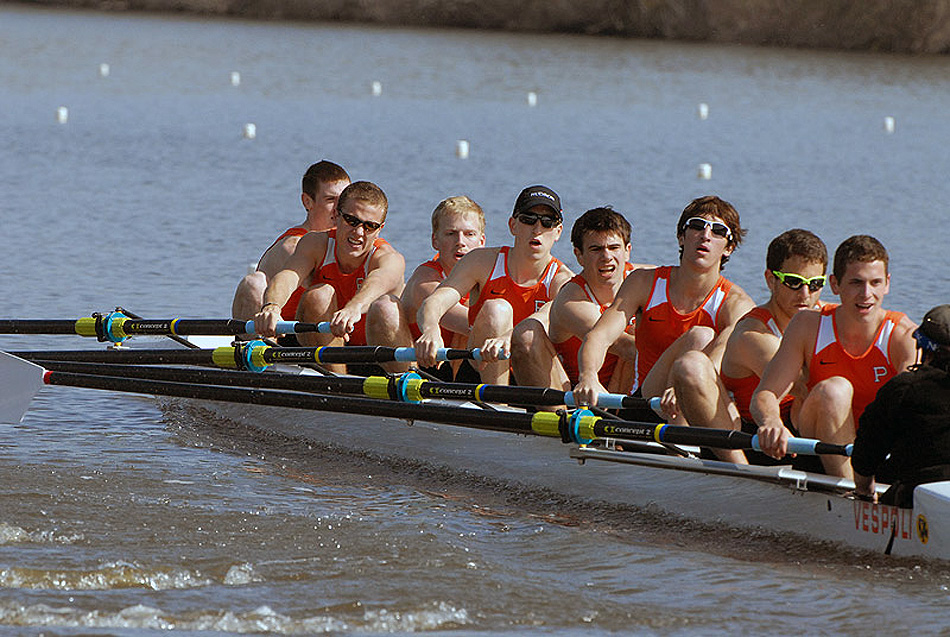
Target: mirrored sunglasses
[
  {"x": 795, "y": 281},
  {"x": 531, "y": 218},
  {"x": 371, "y": 226},
  {"x": 700, "y": 224}
]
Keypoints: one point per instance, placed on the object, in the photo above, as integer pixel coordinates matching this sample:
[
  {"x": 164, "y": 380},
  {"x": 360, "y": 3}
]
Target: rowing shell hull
[{"x": 774, "y": 499}]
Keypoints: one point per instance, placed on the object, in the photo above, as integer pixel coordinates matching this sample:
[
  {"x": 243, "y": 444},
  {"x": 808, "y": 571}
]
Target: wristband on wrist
[{"x": 263, "y": 307}]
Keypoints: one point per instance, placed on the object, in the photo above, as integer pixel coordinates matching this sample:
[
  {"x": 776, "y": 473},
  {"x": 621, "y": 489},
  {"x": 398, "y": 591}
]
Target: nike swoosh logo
[
  {"x": 496, "y": 292},
  {"x": 654, "y": 320},
  {"x": 826, "y": 362}
]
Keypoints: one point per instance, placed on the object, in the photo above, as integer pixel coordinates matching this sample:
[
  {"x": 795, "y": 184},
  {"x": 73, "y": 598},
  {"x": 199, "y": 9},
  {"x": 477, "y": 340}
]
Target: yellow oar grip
[
  {"x": 376, "y": 387},
  {"x": 546, "y": 423},
  {"x": 224, "y": 357},
  {"x": 86, "y": 326}
]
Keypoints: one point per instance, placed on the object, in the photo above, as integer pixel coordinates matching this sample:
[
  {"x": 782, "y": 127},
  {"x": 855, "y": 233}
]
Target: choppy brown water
[{"x": 118, "y": 517}]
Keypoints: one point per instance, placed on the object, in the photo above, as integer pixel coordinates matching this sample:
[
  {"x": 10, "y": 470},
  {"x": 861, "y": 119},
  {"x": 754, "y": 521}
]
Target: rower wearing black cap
[
  {"x": 505, "y": 285},
  {"x": 904, "y": 434}
]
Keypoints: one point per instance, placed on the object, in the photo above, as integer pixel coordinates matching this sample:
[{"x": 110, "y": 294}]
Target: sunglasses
[
  {"x": 356, "y": 222},
  {"x": 795, "y": 281},
  {"x": 700, "y": 224},
  {"x": 531, "y": 218}
]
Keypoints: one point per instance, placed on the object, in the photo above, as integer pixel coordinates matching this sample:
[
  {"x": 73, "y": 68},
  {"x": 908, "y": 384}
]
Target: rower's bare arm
[
  {"x": 903, "y": 346},
  {"x": 310, "y": 250},
  {"x": 735, "y": 306},
  {"x": 467, "y": 275},
  {"x": 276, "y": 257},
  {"x": 384, "y": 276},
  {"x": 421, "y": 286},
  {"x": 778, "y": 378},
  {"x": 563, "y": 276}
]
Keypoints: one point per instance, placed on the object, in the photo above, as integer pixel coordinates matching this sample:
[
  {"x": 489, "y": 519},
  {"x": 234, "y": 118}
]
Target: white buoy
[
  {"x": 235, "y": 78},
  {"x": 702, "y": 110},
  {"x": 532, "y": 98},
  {"x": 62, "y": 114},
  {"x": 104, "y": 70},
  {"x": 461, "y": 148},
  {"x": 377, "y": 88},
  {"x": 889, "y": 124},
  {"x": 250, "y": 131},
  {"x": 705, "y": 171}
]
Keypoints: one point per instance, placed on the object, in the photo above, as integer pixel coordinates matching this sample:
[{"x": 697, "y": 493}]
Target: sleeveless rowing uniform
[
  {"x": 867, "y": 371},
  {"x": 345, "y": 284},
  {"x": 660, "y": 324},
  {"x": 567, "y": 350},
  {"x": 289, "y": 311},
  {"x": 447, "y": 334},
  {"x": 742, "y": 389},
  {"x": 524, "y": 300}
]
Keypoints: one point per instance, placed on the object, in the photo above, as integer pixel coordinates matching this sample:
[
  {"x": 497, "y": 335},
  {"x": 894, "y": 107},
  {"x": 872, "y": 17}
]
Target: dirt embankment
[{"x": 907, "y": 26}]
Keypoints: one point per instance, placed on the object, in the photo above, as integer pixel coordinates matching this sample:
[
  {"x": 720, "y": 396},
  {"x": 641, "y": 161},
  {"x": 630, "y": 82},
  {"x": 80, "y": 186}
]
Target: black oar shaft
[
  {"x": 131, "y": 327},
  {"x": 514, "y": 422}
]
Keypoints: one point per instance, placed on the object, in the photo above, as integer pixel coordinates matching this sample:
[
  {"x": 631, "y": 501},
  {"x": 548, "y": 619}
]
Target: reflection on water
[{"x": 114, "y": 515}]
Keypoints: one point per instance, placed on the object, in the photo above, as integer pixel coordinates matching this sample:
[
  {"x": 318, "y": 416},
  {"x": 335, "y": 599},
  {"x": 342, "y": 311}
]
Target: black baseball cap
[
  {"x": 538, "y": 196},
  {"x": 936, "y": 325}
]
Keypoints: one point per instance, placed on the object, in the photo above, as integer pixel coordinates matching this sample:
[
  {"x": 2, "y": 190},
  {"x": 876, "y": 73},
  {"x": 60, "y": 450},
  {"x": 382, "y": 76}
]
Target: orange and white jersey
[
  {"x": 524, "y": 300},
  {"x": 660, "y": 323},
  {"x": 867, "y": 372},
  {"x": 346, "y": 285}
]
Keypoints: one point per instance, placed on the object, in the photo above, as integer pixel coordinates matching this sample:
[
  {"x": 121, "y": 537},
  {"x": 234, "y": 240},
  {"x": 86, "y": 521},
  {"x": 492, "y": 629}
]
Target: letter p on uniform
[{"x": 879, "y": 373}]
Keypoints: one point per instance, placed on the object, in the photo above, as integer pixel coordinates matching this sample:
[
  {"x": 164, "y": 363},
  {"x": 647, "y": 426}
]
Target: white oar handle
[{"x": 804, "y": 446}]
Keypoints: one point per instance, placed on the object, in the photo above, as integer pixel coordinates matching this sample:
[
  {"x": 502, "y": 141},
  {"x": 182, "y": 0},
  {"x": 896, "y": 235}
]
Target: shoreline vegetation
[{"x": 891, "y": 26}]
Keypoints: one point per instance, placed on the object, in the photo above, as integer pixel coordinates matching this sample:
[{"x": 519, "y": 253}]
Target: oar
[
  {"x": 254, "y": 355},
  {"x": 408, "y": 387},
  {"x": 25, "y": 378},
  {"x": 116, "y": 327}
]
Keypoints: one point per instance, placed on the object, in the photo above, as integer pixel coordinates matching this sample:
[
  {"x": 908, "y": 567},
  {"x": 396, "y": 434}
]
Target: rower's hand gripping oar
[{"x": 116, "y": 327}]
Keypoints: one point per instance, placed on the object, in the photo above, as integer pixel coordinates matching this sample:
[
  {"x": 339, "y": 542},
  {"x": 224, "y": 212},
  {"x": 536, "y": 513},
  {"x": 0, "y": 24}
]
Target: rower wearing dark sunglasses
[
  {"x": 795, "y": 262},
  {"x": 505, "y": 285},
  {"x": 680, "y": 308},
  {"x": 348, "y": 268},
  {"x": 848, "y": 352}
]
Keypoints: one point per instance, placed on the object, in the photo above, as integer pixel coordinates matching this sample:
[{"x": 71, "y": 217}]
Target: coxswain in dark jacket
[{"x": 904, "y": 434}]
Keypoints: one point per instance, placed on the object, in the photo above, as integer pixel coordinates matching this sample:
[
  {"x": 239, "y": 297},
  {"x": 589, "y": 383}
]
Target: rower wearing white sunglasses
[
  {"x": 795, "y": 265},
  {"x": 679, "y": 308}
]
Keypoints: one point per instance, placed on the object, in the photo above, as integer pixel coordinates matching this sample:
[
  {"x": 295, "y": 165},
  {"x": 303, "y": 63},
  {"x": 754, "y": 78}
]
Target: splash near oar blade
[{"x": 19, "y": 382}]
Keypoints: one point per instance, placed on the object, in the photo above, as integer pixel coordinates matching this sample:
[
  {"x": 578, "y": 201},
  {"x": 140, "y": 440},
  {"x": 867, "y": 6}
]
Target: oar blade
[{"x": 19, "y": 382}]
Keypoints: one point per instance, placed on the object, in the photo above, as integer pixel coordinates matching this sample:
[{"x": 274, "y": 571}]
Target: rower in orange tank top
[
  {"x": 661, "y": 324},
  {"x": 346, "y": 284},
  {"x": 524, "y": 300},
  {"x": 867, "y": 371}
]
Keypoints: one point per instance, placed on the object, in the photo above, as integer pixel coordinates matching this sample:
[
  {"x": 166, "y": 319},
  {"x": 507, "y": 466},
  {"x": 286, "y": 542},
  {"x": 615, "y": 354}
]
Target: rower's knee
[
  {"x": 385, "y": 322},
  {"x": 317, "y": 304},
  {"x": 531, "y": 349},
  {"x": 495, "y": 318},
  {"x": 249, "y": 296},
  {"x": 692, "y": 372}
]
